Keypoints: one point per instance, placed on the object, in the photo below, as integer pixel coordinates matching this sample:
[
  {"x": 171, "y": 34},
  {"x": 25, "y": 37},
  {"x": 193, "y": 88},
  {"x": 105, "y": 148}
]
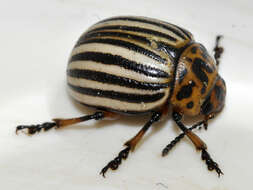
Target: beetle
[{"x": 138, "y": 65}]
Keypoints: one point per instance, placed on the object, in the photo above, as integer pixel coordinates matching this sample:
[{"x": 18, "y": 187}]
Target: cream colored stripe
[
  {"x": 123, "y": 52},
  {"x": 116, "y": 104},
  {"x": 153, "y": 48},
  {"x": 140, "y": 25},
  {"x": 114, "y": 70},
  {"x": 103, "y": 86}
]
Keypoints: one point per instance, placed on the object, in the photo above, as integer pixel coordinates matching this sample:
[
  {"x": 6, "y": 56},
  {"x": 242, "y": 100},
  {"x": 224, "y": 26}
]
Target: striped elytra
[
  {"x": 131, "y": 65},
  {"x": 126, "y": 64}
]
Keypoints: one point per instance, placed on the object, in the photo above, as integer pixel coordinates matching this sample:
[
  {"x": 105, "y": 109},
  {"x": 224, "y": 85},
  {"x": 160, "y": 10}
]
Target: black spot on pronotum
[
  {"x": 197, "y": 68},
  {"x": 188, "y": 59},
  {"x": 194, "y": 49},
  {"x": 202, "y": 64},
  {"x": 190, "y": 105},
  {"x": 185, "y": 91}
]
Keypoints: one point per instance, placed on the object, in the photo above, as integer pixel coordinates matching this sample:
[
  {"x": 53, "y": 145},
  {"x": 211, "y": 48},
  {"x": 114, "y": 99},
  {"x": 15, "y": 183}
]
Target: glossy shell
[{"x": 126, "y": 64}]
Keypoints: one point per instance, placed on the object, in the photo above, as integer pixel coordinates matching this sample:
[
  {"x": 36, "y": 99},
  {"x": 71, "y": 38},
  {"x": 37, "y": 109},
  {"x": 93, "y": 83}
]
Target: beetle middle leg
[
  {"x": 58, "y": 123},
  {"x": 218, "y": 50},
  {"x": 130, "y": 145},
  {"x": 199, "y": 144}
]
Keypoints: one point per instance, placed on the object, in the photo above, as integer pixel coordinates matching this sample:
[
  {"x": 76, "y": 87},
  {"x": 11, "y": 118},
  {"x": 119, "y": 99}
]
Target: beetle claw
[{"x": 32, "y": 129}]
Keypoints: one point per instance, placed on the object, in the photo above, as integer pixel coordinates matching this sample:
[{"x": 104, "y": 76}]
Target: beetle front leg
[
  {"x": 199, "y": 144},
  {"x": 173, "y": 143},
  {"x": 181, "y": 136}
]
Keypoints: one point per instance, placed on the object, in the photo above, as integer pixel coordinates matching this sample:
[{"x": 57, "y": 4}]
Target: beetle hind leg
[{"x": 58, "y": 123}]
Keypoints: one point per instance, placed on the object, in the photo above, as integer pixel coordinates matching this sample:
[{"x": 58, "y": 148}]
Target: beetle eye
[
  {"x": 207, "y": 106},
  {"x": 215, "y": 101}
]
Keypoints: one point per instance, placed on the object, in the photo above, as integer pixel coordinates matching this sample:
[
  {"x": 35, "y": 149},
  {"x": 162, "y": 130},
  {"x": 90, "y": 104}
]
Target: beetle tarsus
[
  {"x": 114, "y": 164},
  {"x": 32, "y": 129},
  {"x": 211, "y": 165}
]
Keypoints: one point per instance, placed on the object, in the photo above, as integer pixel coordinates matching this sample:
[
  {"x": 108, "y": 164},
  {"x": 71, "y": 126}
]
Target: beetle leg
[
  {"x": 218, "y": 50},
  {"x": 178, "y": 138},
  {"x": 181, "y": 136},
  {"x": 58, "y": 123},
  {"x": 207, "y": 118},
  {"x": 199, "y": 144},
  {"x": 130, "y": 145}
]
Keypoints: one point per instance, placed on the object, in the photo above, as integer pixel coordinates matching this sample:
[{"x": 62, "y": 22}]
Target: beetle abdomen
[{"x": 125, "y": 64}]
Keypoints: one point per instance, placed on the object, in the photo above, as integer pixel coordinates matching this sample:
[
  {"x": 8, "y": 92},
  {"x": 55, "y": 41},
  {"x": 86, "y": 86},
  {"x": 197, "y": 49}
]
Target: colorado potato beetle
[{"x": 139, "y": 65}]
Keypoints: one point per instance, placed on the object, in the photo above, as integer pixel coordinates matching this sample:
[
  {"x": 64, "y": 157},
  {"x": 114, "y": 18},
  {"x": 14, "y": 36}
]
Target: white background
[{"x": 36, "y": 40}]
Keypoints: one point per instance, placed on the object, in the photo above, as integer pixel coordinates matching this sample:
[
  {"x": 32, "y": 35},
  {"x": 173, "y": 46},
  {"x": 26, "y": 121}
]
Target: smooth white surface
[{"x": 36, "y": 39}]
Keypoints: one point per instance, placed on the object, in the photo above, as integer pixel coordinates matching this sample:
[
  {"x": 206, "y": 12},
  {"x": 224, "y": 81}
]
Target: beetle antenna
[{"x": 218, "y": 50}]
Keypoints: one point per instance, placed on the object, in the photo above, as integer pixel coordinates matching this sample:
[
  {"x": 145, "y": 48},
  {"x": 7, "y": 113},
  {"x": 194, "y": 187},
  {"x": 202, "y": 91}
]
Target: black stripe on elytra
[
  {"x": 185, "y": 91},
  {"x": 116, "y": 34},
  {"x": 187, "y": 33},
  {"x": 170, "y": 49},
  {"x": 109, "y": 59},
  {"x": 135, "y": 29},
  {"x": 124, "y": 44},
  {"x": 125, "y": 97},
  {"x": 123, "y": 111},
  {"x": 115, "y": 80},
  {"x": 159, "y": 24},
  {"x": 197, "y": 67}
]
